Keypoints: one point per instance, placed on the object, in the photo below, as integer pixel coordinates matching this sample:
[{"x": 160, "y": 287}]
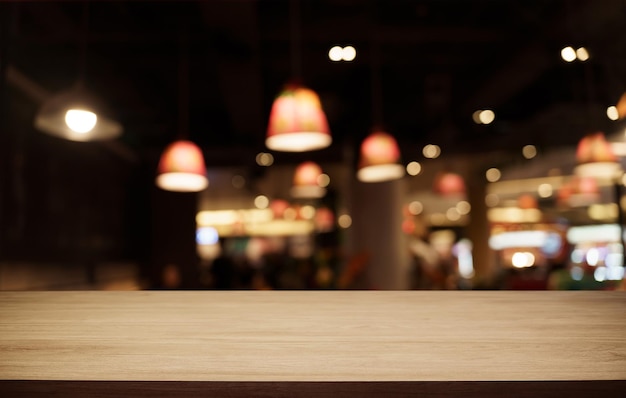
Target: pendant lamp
[
  {"x": 379, "y": 159},
  {"x": 595, "y": 157},
  {"x": 76, "y": 115},
  {"x": 297, "y": 122},
  {"x": 306, "y": 181},
  {"x": 181, "y": 168},
  {"x": 449, "y": 184}
]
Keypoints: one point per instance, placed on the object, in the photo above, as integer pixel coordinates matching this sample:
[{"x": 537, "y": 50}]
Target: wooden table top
[{"x": 313, "y": 336}]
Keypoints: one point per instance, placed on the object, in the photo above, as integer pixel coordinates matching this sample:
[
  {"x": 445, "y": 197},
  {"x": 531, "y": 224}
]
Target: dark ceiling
[{"x": 423, "y": 67}]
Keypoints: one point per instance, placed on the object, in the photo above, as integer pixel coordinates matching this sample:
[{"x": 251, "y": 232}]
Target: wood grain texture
[{"x": 196, "y": 337}]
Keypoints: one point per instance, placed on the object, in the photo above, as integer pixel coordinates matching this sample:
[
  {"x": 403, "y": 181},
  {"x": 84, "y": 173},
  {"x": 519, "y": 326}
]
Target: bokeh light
[
  {"x": 349, "y": 53},
  {"x": 568, "y": 54},
  {"x": 335, "y": 54},
  {"x": 529, "y": 151},
  {"x": 612, "y": 113},
  {"x": 261, "y": 202},
  {"x": 493, "y": 174},
  {"x": 264, "y": 159},
  {"x": 413, "y": 168},
  {"x": 431, "y": 151},
  {"x": 582, "y": 54}
]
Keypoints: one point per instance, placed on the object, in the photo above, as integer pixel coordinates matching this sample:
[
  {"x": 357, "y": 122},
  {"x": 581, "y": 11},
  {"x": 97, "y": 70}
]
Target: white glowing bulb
[
  {"x": 335, "y": 53},
  {"x": 568, "y": 54},
  {"x": 80, "y": 121},
  {"x": 582, "y": 54},
  {"x": 487, "y": 116},
  {"x": 348, "y": 53},
  {"x": 612, "y": 113}
]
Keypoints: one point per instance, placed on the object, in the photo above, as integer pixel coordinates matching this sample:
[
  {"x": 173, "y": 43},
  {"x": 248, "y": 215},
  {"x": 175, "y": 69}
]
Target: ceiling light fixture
[
  {"x": 181, "y": 167},
  {"x": 297, "y": 121},
  {"x": 595, "y": 157},
  {"x": 76, "y": 114},
  {"x": 379, "y": 158},
  {"x": 306, "y": 181}
]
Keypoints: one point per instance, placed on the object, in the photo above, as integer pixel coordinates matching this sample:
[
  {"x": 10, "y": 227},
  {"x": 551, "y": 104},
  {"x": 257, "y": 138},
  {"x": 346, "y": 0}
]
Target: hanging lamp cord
[
  {"x": 375, "y": 73},
  {"x": 84, "y": 28},
  {"x": 295, "y": 43},
  {"x": 183, "y": 85}
]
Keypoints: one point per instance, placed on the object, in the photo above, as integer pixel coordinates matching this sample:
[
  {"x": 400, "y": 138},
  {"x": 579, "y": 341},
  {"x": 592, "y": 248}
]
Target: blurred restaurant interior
[{"x": 300, "y": 144}]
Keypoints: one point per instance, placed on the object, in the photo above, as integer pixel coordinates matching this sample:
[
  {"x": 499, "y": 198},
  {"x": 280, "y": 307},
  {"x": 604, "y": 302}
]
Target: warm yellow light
[
  {"x": 264, "y": 159},
  {"x": 582, "y": 54},
  {"x": 476, "y": 117},
  {"x": 431, "y": 151},
  {"x": 323, "y": 180},
  {"x": 529, "y": 151},
  {"x": 307, "y": 212},
  {"x": 182, "y": 182},
  {"x": 493, "y": 174},
  {"x": 261, "y": 202},
  {"x": 523, "y": 259},
  {"x": 600, "y": 212},
  {"x": 344, "y": 221},
  {"x": 612, "y": 113},
  {"x": 568, "y": 54},
  {"x": 416, "y": 207},
  {"x": 487, "y": 116},
  {"x": 335, "y": 54},
  {"x": 349, "y": 53},
  {"x": 413, "y": 168},
  {"x": 492, "y": 200},
  {"x": 453, "y": 214},
  {"x": 463, "y": 207},
  {"x": 80, "y": 121},
  {"x": 216, "y": 217},
  {"x": 290, "y": 214},
  {"x": 545, "y": 190},
  {"x": 438, "y": 219}
]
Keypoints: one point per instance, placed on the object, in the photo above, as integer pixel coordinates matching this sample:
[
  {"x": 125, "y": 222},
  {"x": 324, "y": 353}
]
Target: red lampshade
[
  {"x": 306, "y": 181},
  {"x": 324, "y": 219},
  {"x": 278, "y": 207},
  {"x": 595, "y": 157},
  {"x": 449, "y": 184},
  {"x": 297, "y": 122},
  {"x": 182, "y": 168},
  {"x": 379, "y": 160}
]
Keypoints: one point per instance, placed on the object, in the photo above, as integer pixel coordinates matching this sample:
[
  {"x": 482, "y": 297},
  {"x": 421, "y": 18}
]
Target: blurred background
[{"x": 502, "y": 124}]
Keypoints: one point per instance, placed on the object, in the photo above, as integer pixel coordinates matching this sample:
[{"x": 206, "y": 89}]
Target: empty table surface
[{"x": 242, "y": 343}]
